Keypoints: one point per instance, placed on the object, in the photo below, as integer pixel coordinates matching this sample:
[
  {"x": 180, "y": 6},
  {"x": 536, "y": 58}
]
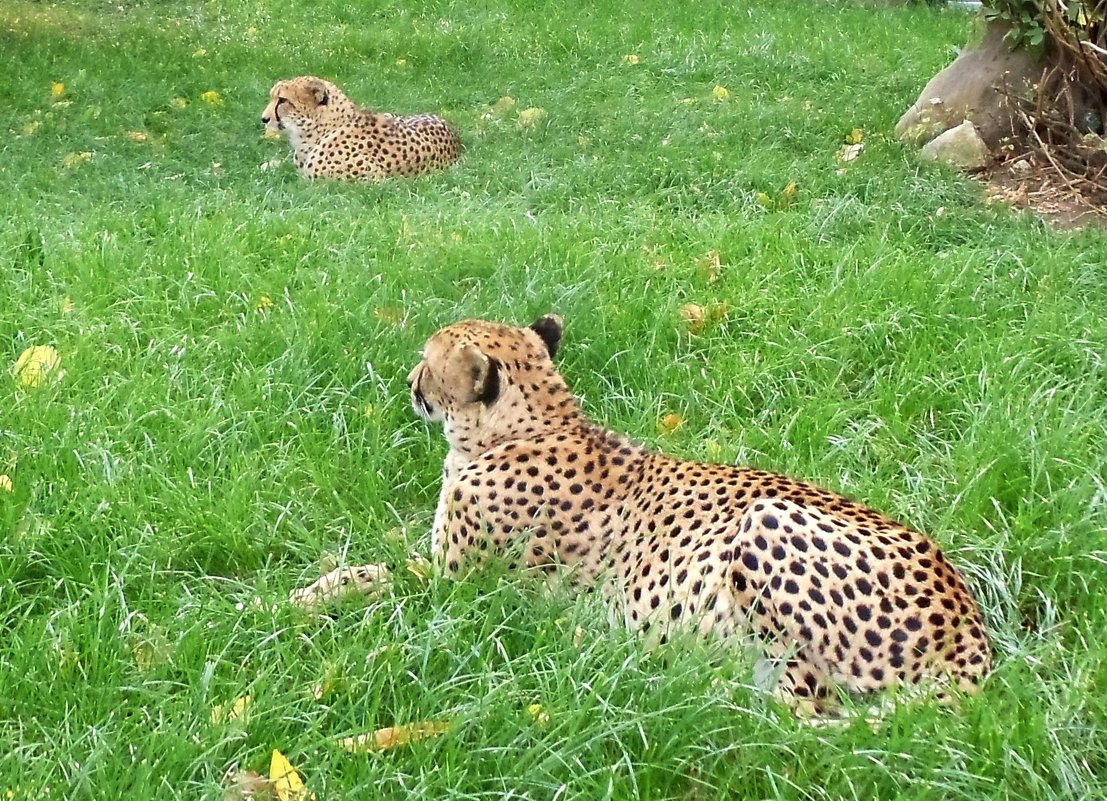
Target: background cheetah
[
  {"x": 836, "y": 593},
  {"x": 333, "y": 138}
]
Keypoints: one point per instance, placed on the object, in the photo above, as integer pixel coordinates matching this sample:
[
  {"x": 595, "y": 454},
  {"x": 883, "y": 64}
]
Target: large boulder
[{"x": 975, "y": 87}]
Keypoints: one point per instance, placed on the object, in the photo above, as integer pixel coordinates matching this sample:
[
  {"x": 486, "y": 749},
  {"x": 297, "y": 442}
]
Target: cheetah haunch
[
  {"x": 837, "y": 594},
  {"x": 333, "y": 138}
]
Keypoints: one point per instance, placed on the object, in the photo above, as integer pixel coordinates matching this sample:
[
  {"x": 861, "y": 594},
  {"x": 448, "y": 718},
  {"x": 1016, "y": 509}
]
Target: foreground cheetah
[
  {"x": 333, "y": 138},
  {"x": 837, "y": 594}
]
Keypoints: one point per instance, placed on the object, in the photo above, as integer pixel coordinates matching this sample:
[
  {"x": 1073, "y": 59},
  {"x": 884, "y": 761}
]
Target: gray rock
[{"x": 960, "y": 147}]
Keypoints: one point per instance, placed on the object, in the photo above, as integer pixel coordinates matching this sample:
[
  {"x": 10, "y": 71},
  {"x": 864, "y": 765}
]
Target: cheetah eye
[{"x": 282, "y": 100}]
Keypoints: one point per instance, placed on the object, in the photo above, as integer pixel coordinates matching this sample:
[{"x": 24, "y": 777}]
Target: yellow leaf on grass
[
  {"x": 6, "y": 483},
  {"x": 789, "y": 193},
  {"x": 693, "y": 316},
  {"x": 529, "y": 117},
  {"x": 392, "y": 315},
  {"x": 200, "y": 53},
  {"x": 401, "y": 62},
  {"x": 630, "y": 58},
  {"x": 137, "y": 136},
  {"x": 854, "y": 137},
  {"x": 35, "y": 365},
  {"x": 57, "y": 90},
  {"x": 720, "y": 92},
  {"x": 178, "y": 102},
  {"x": 710, "y": 264},
  {"x": 420, "y": 568},
  {"x": 286, "y": 782},
  {"x": 503, "y": 104},
  {"x": 670, "y": 422},
  {"x": 72, "y": 160},
  {"x": 236, "y": 710},
  {"x": 540, "y": 716},
  {"x": 394, "y": 736},
  {"x": 264, "y": 303},
  {"x": 847, "y": 153},
  {"x": 331, "y": 679},
  {"x": 212, "y": 98}
]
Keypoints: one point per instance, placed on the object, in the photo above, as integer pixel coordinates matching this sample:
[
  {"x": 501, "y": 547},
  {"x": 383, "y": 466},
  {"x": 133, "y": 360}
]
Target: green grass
[{"x": 887, "y": 333}]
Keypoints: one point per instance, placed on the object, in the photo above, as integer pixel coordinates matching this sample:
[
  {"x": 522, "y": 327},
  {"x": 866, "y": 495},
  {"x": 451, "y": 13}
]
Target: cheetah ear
[
  {"x": 483, "y": 372},
  {"x": 549, "y": 329},
  {"x": 320, "y": 93}
]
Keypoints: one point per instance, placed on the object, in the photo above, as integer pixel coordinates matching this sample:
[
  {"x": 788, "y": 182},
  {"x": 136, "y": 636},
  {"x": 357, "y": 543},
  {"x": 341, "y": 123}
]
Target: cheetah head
[
  {"x": 296, "y": 103},
  {"x": 489, "y": 383}
]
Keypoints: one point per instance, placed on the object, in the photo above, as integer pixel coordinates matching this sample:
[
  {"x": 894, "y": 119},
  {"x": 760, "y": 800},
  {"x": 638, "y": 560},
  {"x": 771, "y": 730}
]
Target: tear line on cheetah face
[
  {"x": 476, "y": 377},
  {"x": 293, "y": 102}
]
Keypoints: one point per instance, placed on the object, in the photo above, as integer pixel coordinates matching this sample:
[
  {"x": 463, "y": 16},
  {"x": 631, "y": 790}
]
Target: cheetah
[
  {"x": 836, "y": 596},
  {"x": 333, "y": 138}
]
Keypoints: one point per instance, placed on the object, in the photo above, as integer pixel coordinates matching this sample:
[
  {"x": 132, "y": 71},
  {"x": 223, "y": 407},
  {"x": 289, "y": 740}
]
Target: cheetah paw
[{"x": 340, "y": 583}]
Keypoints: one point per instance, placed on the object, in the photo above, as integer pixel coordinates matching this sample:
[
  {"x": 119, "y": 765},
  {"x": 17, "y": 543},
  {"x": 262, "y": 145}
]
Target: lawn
[{"x": 230, "y": 415}]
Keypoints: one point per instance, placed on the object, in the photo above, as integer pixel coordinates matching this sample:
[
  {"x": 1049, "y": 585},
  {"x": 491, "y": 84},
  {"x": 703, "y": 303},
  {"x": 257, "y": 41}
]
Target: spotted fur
[
  {"x": 838, "y": 594},
  {"x": 333, "y": 138}
]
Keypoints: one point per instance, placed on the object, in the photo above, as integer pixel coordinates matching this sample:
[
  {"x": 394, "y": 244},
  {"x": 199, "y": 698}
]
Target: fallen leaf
[
  {"x": 137, "y": 136},
  {"x": 529, "y": 117},
  {"x": 720, "y": 92},
  {"x": 57, "y": 90},
  {"x": 150, "y": 648},
  {"x": 693, "y": 316},
  {"x": 200, "y": 53},
  {"x": 420, "y": 568},
  {"x": 711, "y": 265},
  {"x": 848, "y": 153},
  {"x": 332, "y": 678},
  {"x": 270, "y": 134},
  {"x": 35, "y": 365},
  {"x": 178, "y": 102},
  {"x": 789, "y": 194},
  {"x": 286, "y": 782},
  {"x": 392, "y": 315},
  {"x": 72, "y": 160},
  {"x": 212, "y": 98},
  {"x": 244, "y": 785},
  {"x": 719, "y": 311},
  {"x": 264, "y": 303},
  {"x": 401, "y": 62},
  {"x": 764, "y": 200},
  {"x": 854, "y": 137},
  {"x": 6, "y": 483},
  {"x": 540, "y": 716},
  {"x": 503, "y": 104},
  {"x": 670, "y": 422},
  {"x": 394, "y": 736},
  {"x": 227, "y": 713},
  {"x": 631, "y": 59}
]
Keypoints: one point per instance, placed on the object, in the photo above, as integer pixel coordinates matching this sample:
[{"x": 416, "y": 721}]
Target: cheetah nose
[{"x": 264, "y": 119}]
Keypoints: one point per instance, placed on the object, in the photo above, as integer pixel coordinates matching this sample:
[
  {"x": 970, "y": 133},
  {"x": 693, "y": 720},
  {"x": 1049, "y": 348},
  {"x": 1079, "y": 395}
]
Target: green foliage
[
  {"x": 1032, "y": 21},
  {"x": 233, "y": 410}
]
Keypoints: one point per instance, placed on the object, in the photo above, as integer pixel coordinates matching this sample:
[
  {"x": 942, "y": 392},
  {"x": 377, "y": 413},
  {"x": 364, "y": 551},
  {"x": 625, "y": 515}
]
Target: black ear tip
[{"x": 549, "y": 328}]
